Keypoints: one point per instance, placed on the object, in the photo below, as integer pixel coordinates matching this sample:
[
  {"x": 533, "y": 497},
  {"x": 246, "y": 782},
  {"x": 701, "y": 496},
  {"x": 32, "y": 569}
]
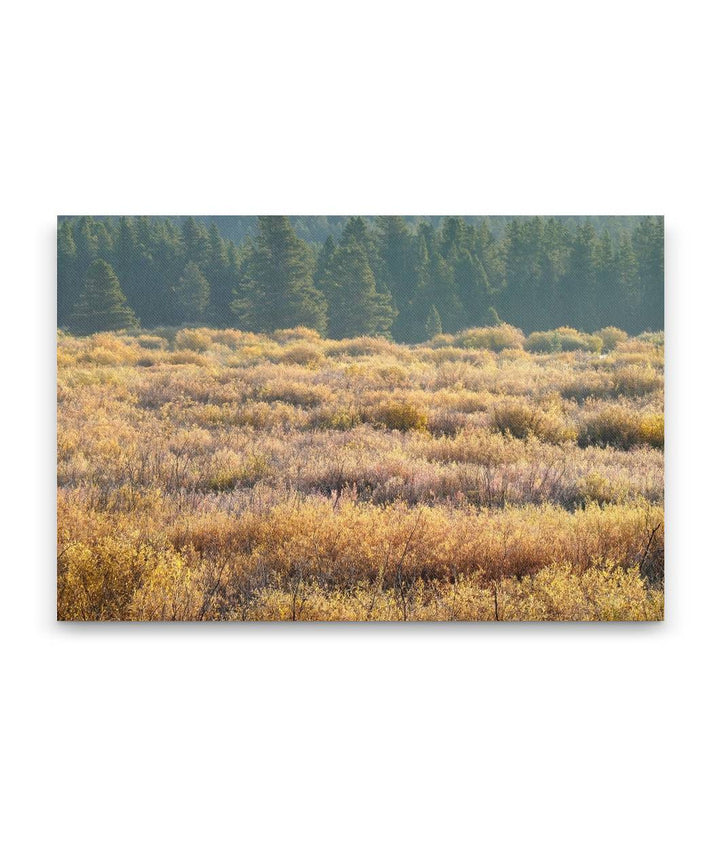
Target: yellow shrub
[
  {"x": 151, "y": 343},
  {"x": 636, "y": 380},
  {"x": 97, "y": 580},
  {"x": 193, "y": 340},
  {"x": 493, "y": 338},
  {"x": 617, "y": 425},
  {"x": 611, "y": 337},
  {"x": 524, "y": 420},
  {"x": 562, "y": 339},
  {"x": 401, "y": 416},
  {"x": 302, "y": 354}
]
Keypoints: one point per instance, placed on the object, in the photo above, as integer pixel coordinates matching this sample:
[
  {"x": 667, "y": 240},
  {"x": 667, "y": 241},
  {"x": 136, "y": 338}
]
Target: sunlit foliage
[{"x": 219, "y": 474}]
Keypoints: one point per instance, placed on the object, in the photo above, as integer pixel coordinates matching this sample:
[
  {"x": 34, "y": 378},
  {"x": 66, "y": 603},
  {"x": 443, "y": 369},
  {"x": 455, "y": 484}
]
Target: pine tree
[
  {"x": 627, "y": 313},
  {"x": 323, "y": 264},
  {"x": 648, "y": 241},
  {"x": 69, "y": 283},
  {"x": 397, "y": 270},
  {"x": 197, "y": 243},
  {"x": 472, "y": 285},
  {"x": 278, "y": 291},
  {"x": 515, "y": 272},
  {"x": 105, "y": 244},
  {"x": 552, "y": 262},
  {"x": 192, "y": 293},
  {"x": 137, "y": 272},
  {"x": 164, "y": 268},
  {"x": 86, "y": 243},
  {"x": 102, "y": 304},
  {"x": 355, "y": 304},
  {"x": 125, "y": 251},
  {"x": 434, "y": 284},
  {"x": 433, "y": 325},
  {"x": 439, "y": 282},
  {"x": 221, "y": 274},
  {"x": 488, "y": 252},
  {"x": 606, "y": 280},
  {"x": 579, "y": 286}
]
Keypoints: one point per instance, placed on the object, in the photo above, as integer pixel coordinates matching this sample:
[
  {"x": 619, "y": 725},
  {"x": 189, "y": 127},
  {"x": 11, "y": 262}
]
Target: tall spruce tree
[
  {"x": 278, "y": 291},
  {"x": 627, "y": 276},
  {"x": 102, "y": 304},
  {"x": 649, "y": 241},
  {"x": 355, "y": 304},
  {"x": 398, "y": 273},
  {"x": 324, "y": 263},
  {"x": 192, "y": 294},
  {"x": 579, "y": 286},
  {"x": 222, "y": 277},
  {"x": 69, "y": 281}
]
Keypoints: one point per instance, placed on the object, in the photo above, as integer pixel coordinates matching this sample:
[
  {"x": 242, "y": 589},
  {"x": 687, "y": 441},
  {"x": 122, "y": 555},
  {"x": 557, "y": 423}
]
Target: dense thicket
[{"x": 404, "y": 277}]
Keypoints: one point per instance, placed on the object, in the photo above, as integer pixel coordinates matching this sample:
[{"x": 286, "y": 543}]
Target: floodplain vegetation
[{"x": 216, "y": 474}]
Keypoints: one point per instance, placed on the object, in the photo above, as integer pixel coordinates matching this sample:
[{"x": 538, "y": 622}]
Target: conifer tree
[
  {"x": 125, "y": 251},
  {"x": 488, "y": 251},
  {"x": 222, "y": 275},
  {"x": 355, "y": 305},
  {"x": 323, "y": 264},
  {"x": 433, "y": 325},
  {"x": 197, "y": 243},
  {"x": 648, "y": 242},
  {"x": 69, "y": 283},
  {"x": 472, "y": 285},
  {"x": 278, "y": 291},
  {"x": 86, "y": 243},
  {"x": 102, "y": 304},
  {"x": 606, "y": 279},
  {"x": 395, "y": 248},
  {"x": 579, "y": 287},
  {"x": 104, "y": 239},
  {"x": 435, "y": 285},
  {"x": 193, "y": 294}
]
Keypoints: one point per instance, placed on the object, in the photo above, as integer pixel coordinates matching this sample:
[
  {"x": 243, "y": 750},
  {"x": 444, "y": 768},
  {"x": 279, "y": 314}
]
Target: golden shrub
[
  {"x": 383, "y": 481},
  {"x": 493, "y": 338},
  {"x": 401, "y": 416},
  {"x": 193, "y": 340},
  {"x": 525, "y": 420},
  {"x": 611, "y": 337},
  {"x": 618, "y": 425},
  {"x": 562, "y": 339},
  {"x": 302, "y": 354}
]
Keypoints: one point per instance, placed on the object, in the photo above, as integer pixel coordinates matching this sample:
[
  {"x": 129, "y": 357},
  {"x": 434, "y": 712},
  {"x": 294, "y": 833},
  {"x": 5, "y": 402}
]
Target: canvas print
[{"x": 360, "y": 418}]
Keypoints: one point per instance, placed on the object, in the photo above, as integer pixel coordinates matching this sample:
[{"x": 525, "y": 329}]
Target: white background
[{"x": 345, "y": 740}]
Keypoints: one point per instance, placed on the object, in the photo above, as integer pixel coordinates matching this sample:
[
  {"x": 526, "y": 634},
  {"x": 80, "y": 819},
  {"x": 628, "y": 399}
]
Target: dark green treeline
[{"x": 406, "y": 278}]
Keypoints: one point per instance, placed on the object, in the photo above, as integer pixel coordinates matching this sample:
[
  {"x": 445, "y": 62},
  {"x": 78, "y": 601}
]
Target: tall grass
[{"x": 218, "y": 474}]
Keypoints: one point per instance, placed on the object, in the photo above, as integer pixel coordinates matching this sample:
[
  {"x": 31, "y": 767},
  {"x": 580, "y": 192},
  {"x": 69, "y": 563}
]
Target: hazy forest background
[{"x": 406, "y": 278}]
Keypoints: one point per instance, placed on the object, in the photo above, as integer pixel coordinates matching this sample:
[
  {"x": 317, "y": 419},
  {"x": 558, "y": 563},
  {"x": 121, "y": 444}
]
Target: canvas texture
[{"x": 360, "y": 418}]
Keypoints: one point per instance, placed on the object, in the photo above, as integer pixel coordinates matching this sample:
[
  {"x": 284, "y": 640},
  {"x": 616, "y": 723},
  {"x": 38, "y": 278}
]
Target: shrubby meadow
[{"x": 481, "y": 475}]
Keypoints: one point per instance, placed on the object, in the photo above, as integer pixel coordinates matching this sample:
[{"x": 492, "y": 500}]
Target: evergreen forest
[{"x": 404, "y": 278}]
